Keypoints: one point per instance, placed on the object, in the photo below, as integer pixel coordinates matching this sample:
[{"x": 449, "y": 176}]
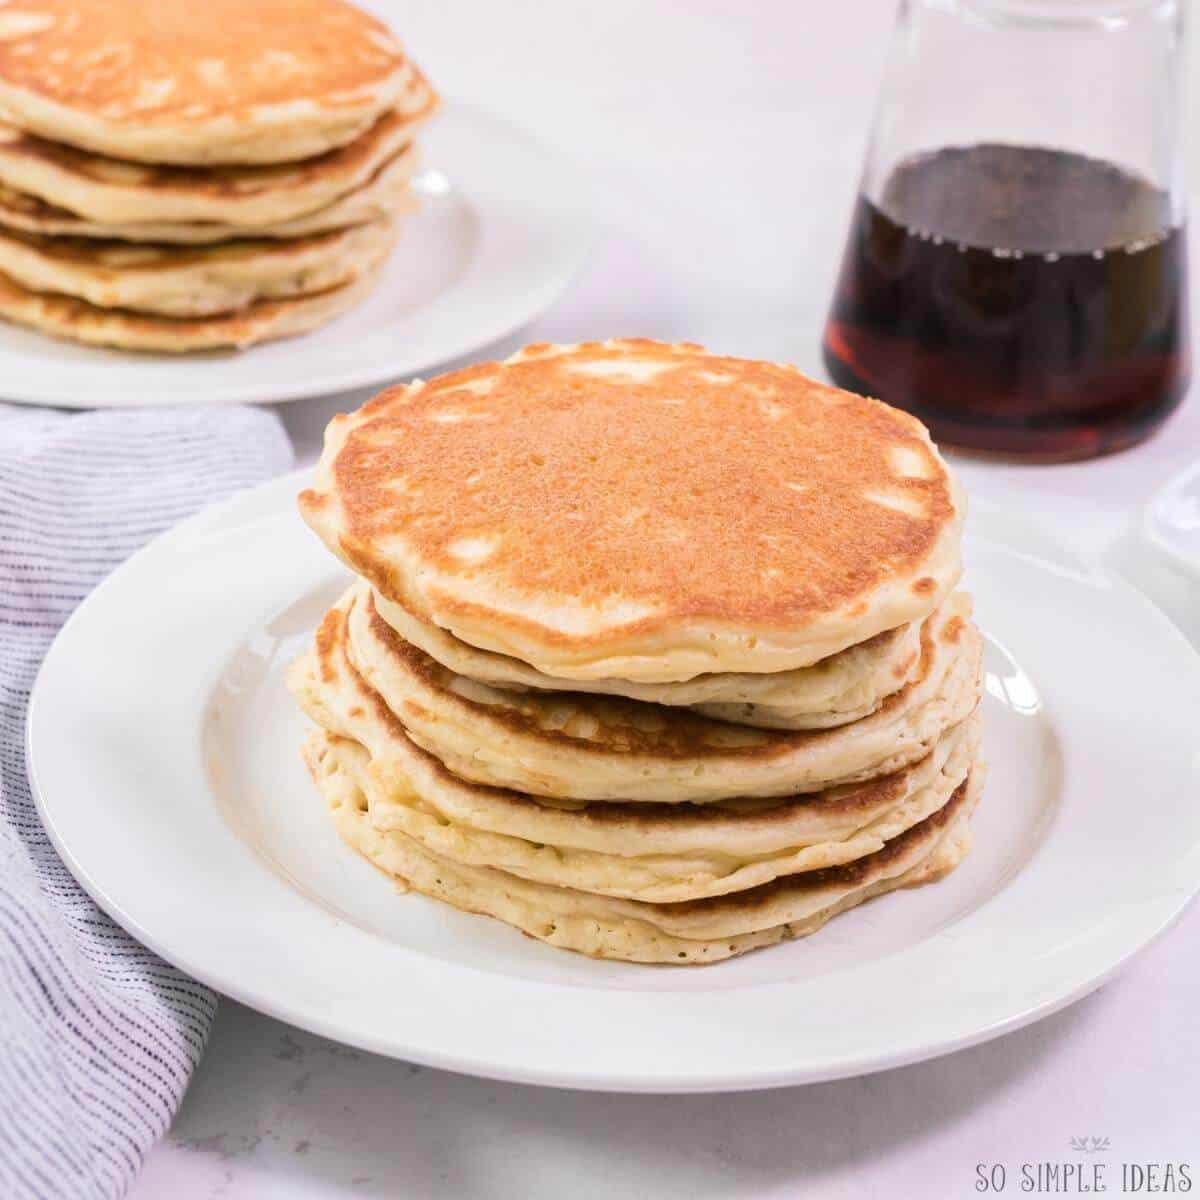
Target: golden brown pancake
[
  {"x": 641, "y": 511},
  {"x": 600, "y": 748},
  {"x": 656, "y": 852},
  {"x": 687, "y": 932},
  {"x": 109, "y": 191},
  {"x": 386, "y": 194},
  {"x": 266, "y": 320},
  {"x": 198, "y": 81},
  {"x": 336, "y": 696},
  {"x": 845, "y": 687},
  {"x": 193, "y": 281}
]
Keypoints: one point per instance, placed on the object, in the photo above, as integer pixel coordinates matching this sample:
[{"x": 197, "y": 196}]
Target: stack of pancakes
[
  {"x": 653, "y": 654},
  {"x": 187, "y": 174}
]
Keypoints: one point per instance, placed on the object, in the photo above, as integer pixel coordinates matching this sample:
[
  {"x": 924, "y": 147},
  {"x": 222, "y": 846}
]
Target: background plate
[
  {"x": 503, "y": 228},
  {"x": 1171, "y": 521},
  {"x": 163, "y": 751}
]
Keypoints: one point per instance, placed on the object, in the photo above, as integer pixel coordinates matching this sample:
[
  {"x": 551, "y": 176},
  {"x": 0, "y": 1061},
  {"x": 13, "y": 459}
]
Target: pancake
[
  {"x": 835, "y": 691},
  {"x": 336, "y": 697},
  {"x": 580, "y": 747},
  {"x": 76, "y": 320},
  {"x": 178, "y": 81},
  {"x": 384, "y": 196},
  {"x": 192, "y": 281},
  {"x": 410, "y": 804},
  {"x": 107, "y": 191},
  {"x": 649, "y": 878},
  {"x": 653, "y": 852},
  {"x": 696, "y": 931},
  {"x": 639, "y": 511}
]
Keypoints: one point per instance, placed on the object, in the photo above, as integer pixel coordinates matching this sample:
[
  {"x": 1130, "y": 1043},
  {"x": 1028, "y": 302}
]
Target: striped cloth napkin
[{"x": 98, "y": 1037}]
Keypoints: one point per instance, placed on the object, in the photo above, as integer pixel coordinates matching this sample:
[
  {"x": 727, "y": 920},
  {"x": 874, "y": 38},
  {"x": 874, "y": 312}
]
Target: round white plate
[
  {"x": 164, "y": 753},
  {"x": 503, "y": 228}
]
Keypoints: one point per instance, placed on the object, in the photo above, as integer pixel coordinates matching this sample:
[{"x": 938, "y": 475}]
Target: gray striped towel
[{"x": 98, "y": 1037}]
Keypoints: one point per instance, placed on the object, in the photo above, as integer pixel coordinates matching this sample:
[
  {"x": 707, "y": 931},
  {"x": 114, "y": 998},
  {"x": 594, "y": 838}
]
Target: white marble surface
[{"x": 723, "y": 141}]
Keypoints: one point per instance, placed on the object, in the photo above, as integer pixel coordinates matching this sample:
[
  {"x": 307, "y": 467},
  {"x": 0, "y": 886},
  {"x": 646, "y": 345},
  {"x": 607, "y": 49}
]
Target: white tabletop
[{"x": 723, "y": 140}]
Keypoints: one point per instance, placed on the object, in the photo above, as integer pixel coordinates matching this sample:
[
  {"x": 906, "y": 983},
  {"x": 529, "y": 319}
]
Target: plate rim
[
  {"x": 576, "y": 204},
  {"x": 1167, "y": 909}
]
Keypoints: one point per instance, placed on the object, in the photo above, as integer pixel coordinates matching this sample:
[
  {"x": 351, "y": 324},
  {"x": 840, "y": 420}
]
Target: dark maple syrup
[{"x": 1019, "y": 300}]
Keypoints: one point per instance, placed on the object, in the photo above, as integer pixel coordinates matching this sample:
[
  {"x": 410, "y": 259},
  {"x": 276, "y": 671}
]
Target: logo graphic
[{"x": 1089, "y": 1145}]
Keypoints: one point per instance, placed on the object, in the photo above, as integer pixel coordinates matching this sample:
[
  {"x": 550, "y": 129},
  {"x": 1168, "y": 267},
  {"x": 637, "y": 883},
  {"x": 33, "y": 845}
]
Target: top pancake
[
  {"x": 197, "y": 81},
  {"x": 639, "y": 511}
]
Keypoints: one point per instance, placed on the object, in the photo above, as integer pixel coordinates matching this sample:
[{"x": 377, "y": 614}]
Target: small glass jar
[{"x": 1016, "y": 269}]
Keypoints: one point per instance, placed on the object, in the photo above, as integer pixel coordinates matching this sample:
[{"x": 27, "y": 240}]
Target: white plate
[
  {"x": 164, "y": 752},
  {"x": 1171, "y": 520},
  {"x": 503, "y": 228}
]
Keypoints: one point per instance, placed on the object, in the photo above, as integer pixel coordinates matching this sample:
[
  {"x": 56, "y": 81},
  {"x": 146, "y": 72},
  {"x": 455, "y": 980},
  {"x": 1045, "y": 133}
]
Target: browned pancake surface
[
  {"x": 675, "y": 483},
  {"x": 141, "y": 62}
]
